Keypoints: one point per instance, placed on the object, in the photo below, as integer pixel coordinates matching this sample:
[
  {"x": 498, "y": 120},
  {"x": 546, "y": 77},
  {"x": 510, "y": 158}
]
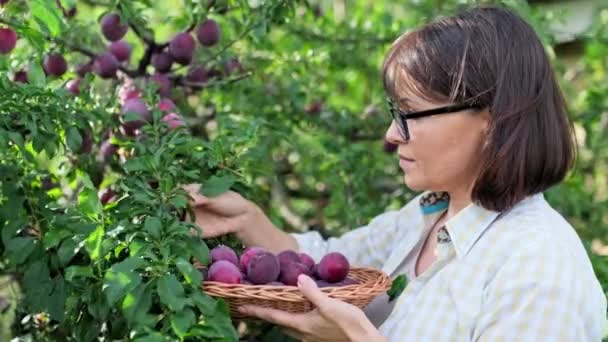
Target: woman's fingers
[{"x": 196, "y": 198}]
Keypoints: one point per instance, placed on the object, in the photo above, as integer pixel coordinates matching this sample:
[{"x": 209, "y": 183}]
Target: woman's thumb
[{"x": 311, "y": 291}]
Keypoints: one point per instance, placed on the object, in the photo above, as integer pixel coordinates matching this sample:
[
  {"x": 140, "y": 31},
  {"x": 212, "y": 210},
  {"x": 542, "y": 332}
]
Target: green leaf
[
  {"x": 153, "y": 226},
  {"x": 56, "y": 302},
  {"x": 35, "y": 74},
  {"x": 74, "y": 272},
  {"x": 205, "y": 303},
  {"x": 121, "y": 278},
  {"x": 117, "y": 284},
  {"x": 216, "y": 185},
  {"x": 135, "y": 164},
  {"x": 182, "y": 321},
  {"x": 38, "y": 287},
  {"x": 19, "y": 248},
  {"x": 171, "y": 292},
  {"x": 128, "y": 265},
  {"x": 47, "y": 15},
  {"x": 89, "y": 203},
  {"x": 190, "y": 273},
  {"x": 54, "y": 236},
  {"x": 69, "y": 247},
  {"x": 219, "y": 325},
  {"x": 152, "y": 337},
  {"x": 398, "y": 285},
  {"x": 179, "y": 201},
  {"x": 93, "y": 243},
  {"x": 199, "y": 250},
  {"x": 74, "y": 140},
  {"x": 98, "y": 306},
  {"x": 136, "y": 305}
]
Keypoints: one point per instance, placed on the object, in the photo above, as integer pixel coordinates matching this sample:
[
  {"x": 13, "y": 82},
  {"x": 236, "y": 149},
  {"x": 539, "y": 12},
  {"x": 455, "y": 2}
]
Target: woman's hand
[
  {"x": 231, "y": 213},
  {"x": 331, "y": 320},
  {"x": 224, "y": 214}
]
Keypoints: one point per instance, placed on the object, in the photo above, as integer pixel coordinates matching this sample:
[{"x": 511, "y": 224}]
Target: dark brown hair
[{"x": 490, "y": 56}]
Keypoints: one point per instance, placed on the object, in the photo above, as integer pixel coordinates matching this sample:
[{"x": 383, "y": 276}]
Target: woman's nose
[{"x": 393, "y": 135}]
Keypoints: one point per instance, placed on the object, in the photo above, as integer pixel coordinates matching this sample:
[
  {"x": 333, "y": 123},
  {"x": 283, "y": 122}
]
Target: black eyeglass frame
[{"x": 404, "y": 116}]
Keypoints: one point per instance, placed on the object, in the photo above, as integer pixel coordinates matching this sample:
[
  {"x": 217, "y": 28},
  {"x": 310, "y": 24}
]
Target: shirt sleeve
[
  {"x": 540, "y": 295},
  {"x": 369, "y": 245}
]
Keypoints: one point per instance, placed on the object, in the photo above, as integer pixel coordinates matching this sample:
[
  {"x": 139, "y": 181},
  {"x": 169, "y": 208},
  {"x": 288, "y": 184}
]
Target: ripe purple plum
[
  {"x": 166, "y": 105},
  {"x": 127, "y": 91},
  {"x": 223, "y": 252},
  {"x": 163, "y": 84},
  {"x": 54, "y": 64},
  {"x": 121, "y": 50},
  {"x": 276, "y": 283},
  {"x": 107, "y": 150},
  {"x": 246, "y": 282},
  {"x": 139, "y": 107},
  {"x": 224, "y": 271},
  {"x": 291, "y": 271},
  {"x": 208, "y": 32},
  {"x": 47, "y": 183},
  {"x": 173, "y": 120},
  {"x": 162, "y": 62},
  {"x": 263, "y": 268},
  {"x": 287, "y": 257},
  {"x": 247, "y": 255},
  {"x": 73, "y": 86},
  {"x": 8, "y": 40},
  {"x": 314, "y": 107},
  {"x": 112, "y": 27},
  {"x": 181, "y": 48},
  {"x": 322, "y": 283},
  {"x": 307, "y": 260},
  {"x": 333, "y": 267},
  {"x": 348, "y": 281},
  {"x": 105, "y": 65},
  {"x": 87, "y": 142},
  {"x": 197, "y": 76},
  {"x": 107, "y": 195},
  {"x": 233, "y": 66},
  {"x": 20, "y": 76}
]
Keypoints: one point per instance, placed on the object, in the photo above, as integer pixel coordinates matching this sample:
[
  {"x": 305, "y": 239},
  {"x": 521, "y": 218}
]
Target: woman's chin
[{"x": 413, "y": 183}]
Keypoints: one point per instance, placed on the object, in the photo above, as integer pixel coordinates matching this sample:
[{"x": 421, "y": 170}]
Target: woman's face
[{"x": 443, "y": 153}]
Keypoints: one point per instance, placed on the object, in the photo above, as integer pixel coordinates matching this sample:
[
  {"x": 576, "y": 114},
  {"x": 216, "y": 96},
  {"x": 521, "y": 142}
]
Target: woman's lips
[{"x": 406, "y": 163}]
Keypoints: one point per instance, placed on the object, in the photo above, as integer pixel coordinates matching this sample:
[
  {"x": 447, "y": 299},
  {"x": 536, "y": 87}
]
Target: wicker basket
[{"x": 372, "y": 282}]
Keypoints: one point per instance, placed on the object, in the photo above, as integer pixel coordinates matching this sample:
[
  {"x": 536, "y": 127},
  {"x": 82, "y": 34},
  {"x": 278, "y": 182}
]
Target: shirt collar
[{"x": 465, "y": 228}]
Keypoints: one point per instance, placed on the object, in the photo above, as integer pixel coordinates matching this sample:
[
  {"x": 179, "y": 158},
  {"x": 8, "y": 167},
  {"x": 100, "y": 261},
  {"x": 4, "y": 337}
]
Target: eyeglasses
[{"x": 401, "y": 117}]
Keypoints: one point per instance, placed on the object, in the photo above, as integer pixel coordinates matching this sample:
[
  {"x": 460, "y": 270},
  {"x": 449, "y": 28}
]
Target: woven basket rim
[{"x": 376, "y": 282}]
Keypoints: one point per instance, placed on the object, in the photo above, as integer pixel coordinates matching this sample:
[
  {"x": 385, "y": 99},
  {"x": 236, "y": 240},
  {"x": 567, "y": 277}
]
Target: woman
[{"x": 482, "y": 128}]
